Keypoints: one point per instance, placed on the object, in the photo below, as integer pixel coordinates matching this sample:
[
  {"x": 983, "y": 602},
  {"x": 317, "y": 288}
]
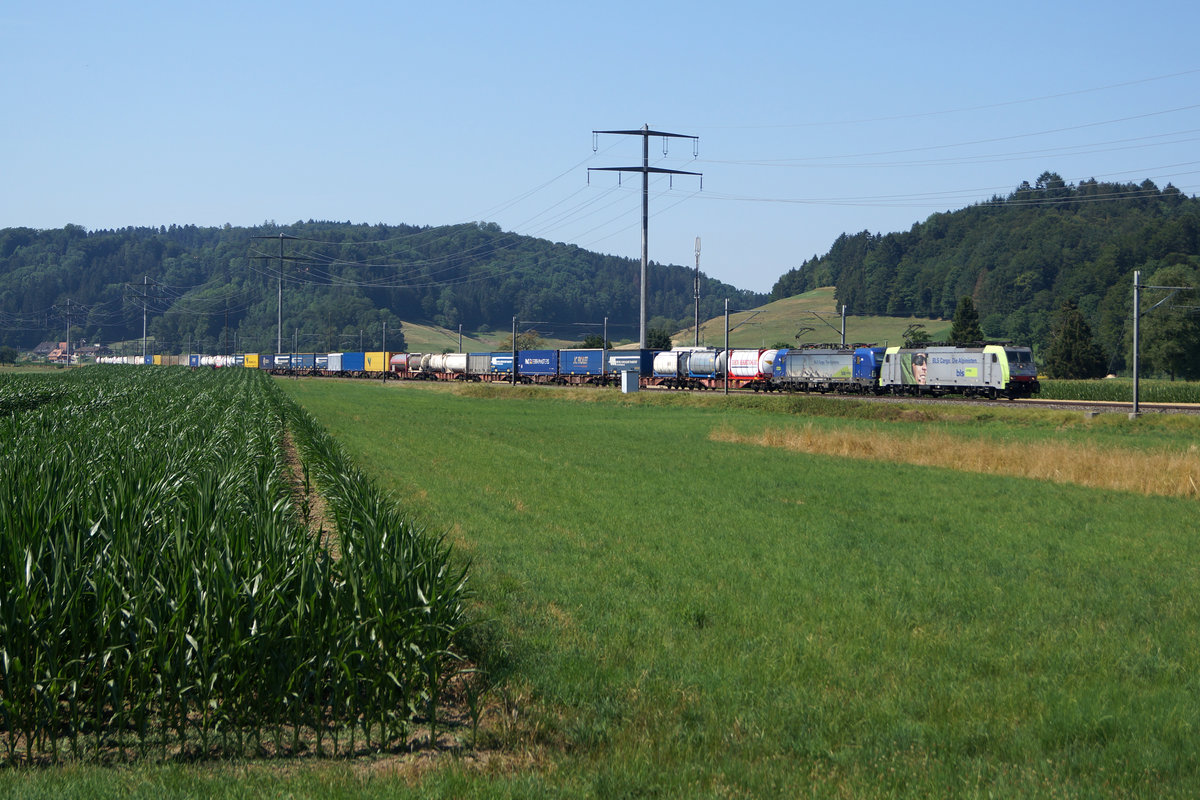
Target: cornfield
[
  {"x": 162, "y": 596},
  {"x": 1120, "y": 390}
]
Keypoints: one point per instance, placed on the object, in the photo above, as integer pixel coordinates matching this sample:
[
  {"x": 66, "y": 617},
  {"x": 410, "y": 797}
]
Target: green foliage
[
  {"x": 1019, "y": 257},
  {"x": 526, "y": 340},
  {"x": 1072, "y": 352},
  {"x": 342, "y": 283},
  {"x": 965, "y": 329},
  {"x": 658, "y": 339},
  {"x": 8, "y": 355},
  {"x": 1120, "y": 390},
  {"x": 593, "y": 341},
  {"x": 161, "y": 592},
  {"x": 1170, "y": 333}
]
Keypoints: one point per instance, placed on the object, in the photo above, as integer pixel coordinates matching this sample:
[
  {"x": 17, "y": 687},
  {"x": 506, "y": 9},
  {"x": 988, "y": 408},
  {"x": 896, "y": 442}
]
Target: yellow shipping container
[
  {"x": 158, "y": 361},
  {"x": 376, "y": 362},
  {"x": 251, "y": 360}
]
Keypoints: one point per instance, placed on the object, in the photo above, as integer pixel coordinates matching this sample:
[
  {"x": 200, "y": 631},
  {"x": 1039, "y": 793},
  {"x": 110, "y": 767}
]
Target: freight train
[{"x": 987, "y": 370}]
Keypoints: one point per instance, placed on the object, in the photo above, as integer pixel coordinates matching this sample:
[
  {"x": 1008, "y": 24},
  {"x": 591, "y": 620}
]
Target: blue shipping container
[
  {"x": 537, "y": 362},
  {"x": 239, "y": 360},
  {"x": 283, "y": 361},
  {"x": 502, "y": 363},
  {"x": 639, "y": 361},
  {"x": 322, "y": 361},
  {"x": 354, "y": 362},
  {"x": 580, "y": 362},
  {"x": 304, "y": 360},
  {"x": 194, "y": 360}
]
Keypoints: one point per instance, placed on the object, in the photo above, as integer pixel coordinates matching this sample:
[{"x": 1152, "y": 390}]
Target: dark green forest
[
  {"x": 1022, "y": 257},
  {"x": 216, "y": 289}
]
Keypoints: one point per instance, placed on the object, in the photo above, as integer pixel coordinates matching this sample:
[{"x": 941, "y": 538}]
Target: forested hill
[
  {"x": 341, "y": 282},
  {"x": 1020, "y": 258}
]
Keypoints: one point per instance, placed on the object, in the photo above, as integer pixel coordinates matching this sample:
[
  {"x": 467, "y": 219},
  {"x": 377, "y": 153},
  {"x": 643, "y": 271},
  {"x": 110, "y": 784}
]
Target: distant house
[
  {"x": 44, "y": 348},
  {"x": 92, "y": 350}
]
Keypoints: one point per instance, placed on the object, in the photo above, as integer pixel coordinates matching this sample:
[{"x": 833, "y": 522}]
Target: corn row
[
  {"x": 1120, "y": 390},
  {"x": 159, "y": 596}
]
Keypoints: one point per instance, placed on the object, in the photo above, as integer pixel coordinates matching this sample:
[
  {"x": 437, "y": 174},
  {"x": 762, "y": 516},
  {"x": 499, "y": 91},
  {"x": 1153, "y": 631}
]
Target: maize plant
[{"x": 160, "y": 594}]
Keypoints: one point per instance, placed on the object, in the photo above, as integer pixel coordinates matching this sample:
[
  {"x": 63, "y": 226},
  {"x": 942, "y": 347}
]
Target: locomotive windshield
[{"x": 1020, "y": 356}]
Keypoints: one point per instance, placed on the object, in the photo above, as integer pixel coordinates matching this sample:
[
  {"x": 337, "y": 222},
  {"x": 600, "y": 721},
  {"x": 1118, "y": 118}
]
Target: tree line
[
  {"x": 1046, "y": 251},
  {"x": 216, "y": 289}
]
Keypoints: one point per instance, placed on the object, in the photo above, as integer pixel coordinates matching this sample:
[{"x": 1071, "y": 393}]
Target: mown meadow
[
  {"x": 672, "y": 604},
  {"x": 690, "y": 617}
]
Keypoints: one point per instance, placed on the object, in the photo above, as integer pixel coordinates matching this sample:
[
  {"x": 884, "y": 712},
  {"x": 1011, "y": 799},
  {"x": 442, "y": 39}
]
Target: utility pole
[
  {"x": 646, "y": 169},
  {"x": 145, "y": 289},
  {"x": 68, "y": 332},
  {"x": 145, "y": 298},
  {"x": 1137, "y": 315},
  {"x": 697, "y": 291},
  {"x": 279, "y": 311},
  {"x": 726, "y": 345}
]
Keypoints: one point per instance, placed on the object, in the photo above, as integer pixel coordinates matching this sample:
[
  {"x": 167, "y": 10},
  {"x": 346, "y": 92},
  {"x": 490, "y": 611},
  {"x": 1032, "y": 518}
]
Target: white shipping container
[
  {"x": 666, "y": 363},
  {"x": 744, "y": 363},
  {"x": 766, "y": 362}
]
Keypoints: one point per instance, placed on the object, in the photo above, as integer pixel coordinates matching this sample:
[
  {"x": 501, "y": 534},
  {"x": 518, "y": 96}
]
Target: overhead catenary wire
[
  {"x": 588, "y": 213},
  {"x": 560, "y": 214}
]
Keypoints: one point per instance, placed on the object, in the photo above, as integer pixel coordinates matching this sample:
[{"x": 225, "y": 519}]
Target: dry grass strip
[{"x": 1170, "y": 474}]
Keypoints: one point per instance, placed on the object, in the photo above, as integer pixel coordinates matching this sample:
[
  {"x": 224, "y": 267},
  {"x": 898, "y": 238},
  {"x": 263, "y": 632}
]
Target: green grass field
[
  {"x": 695, "y": 619},
  {"x": 673, "y": 616}
]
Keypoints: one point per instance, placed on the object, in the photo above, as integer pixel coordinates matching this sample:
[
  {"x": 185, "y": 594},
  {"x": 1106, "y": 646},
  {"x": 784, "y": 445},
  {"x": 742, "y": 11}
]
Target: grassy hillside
[
  {"x": 781, "y": 320},
  {"x": 778, "y": 321}
]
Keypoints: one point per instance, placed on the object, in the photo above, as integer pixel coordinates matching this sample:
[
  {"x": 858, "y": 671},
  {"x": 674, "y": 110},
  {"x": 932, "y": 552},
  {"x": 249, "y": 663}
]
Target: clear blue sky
[{"x": 814, "y": 118}]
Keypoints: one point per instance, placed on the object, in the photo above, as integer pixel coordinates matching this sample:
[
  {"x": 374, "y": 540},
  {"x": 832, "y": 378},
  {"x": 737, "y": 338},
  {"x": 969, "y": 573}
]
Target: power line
[
  {"x": 279, "y": 321},
  {"x": 646, "y": 170}
]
